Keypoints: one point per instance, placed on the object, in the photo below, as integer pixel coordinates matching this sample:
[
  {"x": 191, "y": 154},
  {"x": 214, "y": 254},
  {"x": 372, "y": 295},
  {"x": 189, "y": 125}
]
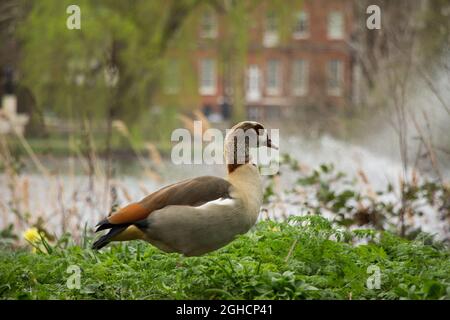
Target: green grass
[{"x": 323, "y": 264}]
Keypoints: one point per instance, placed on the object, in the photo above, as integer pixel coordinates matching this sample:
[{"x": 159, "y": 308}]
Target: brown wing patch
[
  {"x": 130, "y": 213},
  {"x": 192, "y": 192}
]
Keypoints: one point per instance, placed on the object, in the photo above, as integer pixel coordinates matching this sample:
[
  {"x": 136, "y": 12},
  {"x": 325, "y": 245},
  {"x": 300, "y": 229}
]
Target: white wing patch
[{"x": 220, "y": 202}]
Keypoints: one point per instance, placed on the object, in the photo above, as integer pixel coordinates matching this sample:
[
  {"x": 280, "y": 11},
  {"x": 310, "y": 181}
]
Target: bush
[{"x": 303, "y": 258}]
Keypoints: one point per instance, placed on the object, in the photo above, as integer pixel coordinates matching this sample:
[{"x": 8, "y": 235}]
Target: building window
[
  {"x": 254, "y": 113},
  {"x": 301, "y": 27},
  {"x": 335, "y": 25},
  {"x": 207, "y": 77},
  {"x": 208, "y": 25},
  {"x": 172, "y": 77},
  {"x": 271, "y": 30},
  {"x": 253, "y": 83},
  {"x": 300, "y": 75},
  {"x": 335, "y": 76},
  {"x": 273, "y": 77}
]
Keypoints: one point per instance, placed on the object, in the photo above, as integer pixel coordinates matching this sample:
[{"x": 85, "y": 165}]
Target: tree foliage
[
  {"x": 70, "y": 67},
  {"x": 66, "y": 68}
]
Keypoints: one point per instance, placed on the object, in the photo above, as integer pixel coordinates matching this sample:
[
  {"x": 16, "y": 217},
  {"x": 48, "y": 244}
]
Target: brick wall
[{"x": 317, "y": 49}]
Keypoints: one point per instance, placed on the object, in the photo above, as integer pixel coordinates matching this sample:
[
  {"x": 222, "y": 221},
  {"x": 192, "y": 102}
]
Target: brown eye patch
[{"x": 257, "y": 127}]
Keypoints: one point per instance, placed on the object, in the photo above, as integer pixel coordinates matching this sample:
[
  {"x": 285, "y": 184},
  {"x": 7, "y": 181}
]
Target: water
[{"x": 69, "y": 201}]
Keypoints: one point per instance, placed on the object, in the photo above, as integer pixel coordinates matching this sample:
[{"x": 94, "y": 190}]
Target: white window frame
[
  {"x": 300, "y": 82},
  {"x": 335, "y": 25},
  {"x": 270, "y": 38},
  {"x": 208, "y": 17},
  {"x": 299, "y": 17},
  {"x": 274, "y": 90},
  {"x": 207, "y": 87},
  {"x": 254, "y": 77},
  {"x": 335, "y": 90}
]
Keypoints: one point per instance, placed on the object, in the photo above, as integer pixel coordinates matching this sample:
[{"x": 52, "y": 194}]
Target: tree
[
  {"x": 133, "y": 40},
  {"x": 109, "y": 67}
]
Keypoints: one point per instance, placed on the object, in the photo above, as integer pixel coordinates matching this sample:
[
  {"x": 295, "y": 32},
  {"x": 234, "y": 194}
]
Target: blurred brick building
[{"x": 309, "y": 66}]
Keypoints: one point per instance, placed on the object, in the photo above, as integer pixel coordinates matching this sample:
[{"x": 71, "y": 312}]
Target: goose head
[{"x": 241, "y": 138}]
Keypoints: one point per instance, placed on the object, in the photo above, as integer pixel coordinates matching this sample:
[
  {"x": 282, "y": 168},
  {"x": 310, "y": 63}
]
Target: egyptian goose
[{"x": 198, "y": 215}]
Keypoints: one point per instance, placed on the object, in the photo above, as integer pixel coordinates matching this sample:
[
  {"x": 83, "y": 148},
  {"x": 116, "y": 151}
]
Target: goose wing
[{"x": 192, "y": 192}]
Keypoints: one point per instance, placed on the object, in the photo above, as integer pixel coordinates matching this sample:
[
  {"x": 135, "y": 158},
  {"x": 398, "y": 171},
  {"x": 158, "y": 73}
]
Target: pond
[{"x": 67, "y": 200}]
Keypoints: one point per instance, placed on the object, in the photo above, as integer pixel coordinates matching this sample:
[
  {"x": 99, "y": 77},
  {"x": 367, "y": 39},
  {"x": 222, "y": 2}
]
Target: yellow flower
[
  {"x": 32, "y": 235},
  {"x": 36, "y": 239}
]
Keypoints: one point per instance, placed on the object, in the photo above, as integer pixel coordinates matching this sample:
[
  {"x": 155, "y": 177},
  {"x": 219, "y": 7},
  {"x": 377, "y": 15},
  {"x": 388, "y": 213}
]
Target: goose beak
[{"x": 270, "y": 144}]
